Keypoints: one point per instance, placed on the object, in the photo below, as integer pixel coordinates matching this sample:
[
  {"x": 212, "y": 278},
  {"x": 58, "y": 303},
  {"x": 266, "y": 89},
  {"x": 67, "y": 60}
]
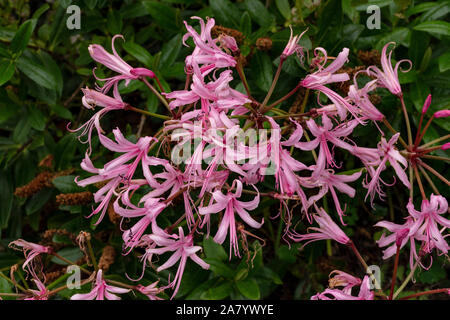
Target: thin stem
[
  {"x": 403, "y": 285},
  {"x": 419, "y": 182},
  {"x": 408, "y": 126},
  {"x": 394, "y": 274},
  {"x": 70, "y": 262},
  {"x": 18, "y": 295},
  {"x": 287, "y": 96},
  {"x": 91, "y": 253},
  {"x": 388, "y": 125},
  {"x": 158, "y": 95},
  {"x": 425, "y": 129},
  {"x": 240, "y": 71},
  {"x": 428, "y": 156},
  {"x": 14, "y": 283},
  {"x": 415, "y": 295},
  {"x": 437, "y": 174},
  {"x": 427, "y": 177},
  {"x": 272, "y": 87},
  {"x": 416, "y": 142},
  {"x": 305, "y": 100},
  {"x": 366, "y": 267},
  {"x": 148, "y": 113},
  {"x": 434, "y": 141}
]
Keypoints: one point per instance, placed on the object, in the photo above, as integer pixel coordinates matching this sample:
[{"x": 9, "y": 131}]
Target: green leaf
[
  {"x": 72, "y": 254},
  {"x": 139, "y": 53},
  {"x": 259, "y": 13},
  {"x": 61, "y": 111},
  {"x": 444, "y": 62},
  {"x": 226, "y": 12},
  {"x": 36, "y": 118},
  {"x": 66, "y": 184},
  {"x": 90, "y": 3},
  {"x": 249, "y": 288},
  {"x": 65, "y": 150},
  {"x": 114, "y": 22},
  {"x": 164, "y": 15},
  {"x": 53, "y": 68},
  {"x": 217, "y": 293},
  {"x": 21, "y": 131},
  {"x": 170, "y": 51},
  {"x": 284, "y": 8},
  {"x": 262, "y": 66},
  {"x": 434, "y": 27},
  {"x": 7, "y": 68},
  {"x": 246, "y": 24},
  {"x": 36, "y": 72},
  {"x": 38, "y": 200},
  {"x": 214, "y": 250},
  {"x": 22, "y": 37},
  {"x": 6, "y": 198},
  {"x": 220, "y": 268}
]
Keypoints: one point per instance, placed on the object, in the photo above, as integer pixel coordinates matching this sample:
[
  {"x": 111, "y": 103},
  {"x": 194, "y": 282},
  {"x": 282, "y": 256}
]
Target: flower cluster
[{"x": 227, "y": 154}]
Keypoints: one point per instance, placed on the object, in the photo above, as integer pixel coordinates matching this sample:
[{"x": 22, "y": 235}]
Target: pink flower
[
  {"x": 325, "y": 134},
  {"x": 151, "y": 290},
  {"x": 293, "y": 46},
  {"x": 327, "y": 230},
  {"x": 361, "y": 99},
  {"x": 206, "y": 52},
  {"x": 328, "y": 181},
  {"x": 388, "y": 78},
  {"x": 117, "y": 64},
  {"x": 90, "y": 100},
  {"x": 101, "y": 290},
  {"x": 318, "y": 80},
  {"x": 183, "y": 248},
  {"x": 335, "y": 294},
  {"x": 400, "y": 236},
  {"x": 343, "y": 279},
  {"x": 31, "y": 252},
  {"x": 388, "y": 153},
  {"x": 152, "y": 208},
  {"x": 426, "y": 223},
  {"x": 231, "y": 205},
  {"x": 41, "y": 293}
]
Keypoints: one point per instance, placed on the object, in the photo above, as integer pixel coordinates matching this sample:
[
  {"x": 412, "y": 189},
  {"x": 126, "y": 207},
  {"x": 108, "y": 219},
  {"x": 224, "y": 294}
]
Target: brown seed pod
[
  {"x": 264, "y": 44},
  {"x": 107, "y": 258},
  {"x": 216, "y": 31},
  {"x": 71, "y": 199}
]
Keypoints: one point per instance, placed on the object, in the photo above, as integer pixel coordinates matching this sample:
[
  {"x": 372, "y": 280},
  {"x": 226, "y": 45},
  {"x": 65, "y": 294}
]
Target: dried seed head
[
  {"x": 216, "y": 31},
  {"x": 264, "y": 44},
  {"x": 41, "y": 181},
  {"x": 107, "y": 258},
  {"x": 79, "y": 198}
]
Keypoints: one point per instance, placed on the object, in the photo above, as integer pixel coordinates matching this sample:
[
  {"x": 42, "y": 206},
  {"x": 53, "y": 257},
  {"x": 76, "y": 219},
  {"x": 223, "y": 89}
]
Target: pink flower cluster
[{"x": 141, "y": 187}]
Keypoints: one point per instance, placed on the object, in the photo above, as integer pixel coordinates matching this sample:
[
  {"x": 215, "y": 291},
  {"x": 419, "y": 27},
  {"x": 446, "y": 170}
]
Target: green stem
[
  {"x": 148, "y": 113},
  {"x": 70, "y": 262},
  {"x": 388, "y": 125},
  {"x": 287, "y": 96},
  {"x": 12, "y": 282},
  {"x": 403, "y": 285},
  {"x": 394, "y": 274},
  {"x": 91, "y": 253},
  {"x": 408, "y": 125},
  {"x": 434, "y": 141},
  {"x": 158, "y": 95},
  {"x": 272, "y": 87}
]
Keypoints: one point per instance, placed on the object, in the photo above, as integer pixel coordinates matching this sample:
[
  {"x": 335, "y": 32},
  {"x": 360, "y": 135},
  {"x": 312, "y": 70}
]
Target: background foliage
[{"x": 43, "y": 65}]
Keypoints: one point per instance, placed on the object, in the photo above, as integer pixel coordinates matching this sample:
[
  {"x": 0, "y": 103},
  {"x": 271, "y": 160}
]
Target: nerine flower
[
  {"x": 335, "y": 294},
  {"x": 327, "y": 230},
  {"x": 387, "y": 153},
  {"x": 41, "y": 293},
  {"x": 90, "y": 100},
  {"x": 324, "y": 134},
  {"x": 101, "y": 290},
  {"x": 151, "y": 290},
  {"x": 117, "y": 64},
  {"x": 328, "y": 181},
  {"x": 427, "y": 220},
  {"x": 182, "y": 248},
  {"x": 343, "y": 279},
  {"x": 362, "y": 101},
  {"x": 232, "y": 205},
  {"x": 421, "y": 226},
  {"x": 318, "y": 80},
  {"x": 388, "y": 77},
  {"x": 30, "y": 250},
  {"x": 293, "y": 46}
]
